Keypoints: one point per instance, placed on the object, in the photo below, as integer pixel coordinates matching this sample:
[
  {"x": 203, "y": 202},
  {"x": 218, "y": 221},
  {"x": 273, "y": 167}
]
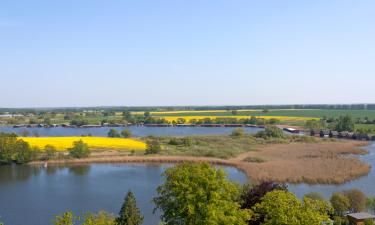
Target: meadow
[{"x": 63, "y": 143}]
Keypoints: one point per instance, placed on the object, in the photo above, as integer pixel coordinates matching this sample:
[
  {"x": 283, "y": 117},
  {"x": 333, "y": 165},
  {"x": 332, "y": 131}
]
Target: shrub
[
  {"x": 113, "y": 133},
  {"x": 153, "y": 147},
  {"x": 50, "y": 152},
  {"x": 254, "y": 160},
  {"x": 238, "y": 132},
  {"x": 79, "y": 150},
  {"x": 270, "y": 132},
  {"x": 126, "y": 133}
]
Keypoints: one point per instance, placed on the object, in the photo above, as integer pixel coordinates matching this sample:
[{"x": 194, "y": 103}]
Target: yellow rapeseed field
[
  {"x": 63, "y": 143},
  {"x": 282, "y": 118}
]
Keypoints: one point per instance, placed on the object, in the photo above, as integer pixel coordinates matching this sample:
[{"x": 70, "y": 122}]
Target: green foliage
[
  {"x": 101, "y": 218},
  {"x": 238, "y": 132},
  {"x": 50, "y": 152},
  {"x": 254, "y": 160},
  {"x": 198, "y": 194},
  {"x": 345, "y": 123},
  {"x": 314, "y": 196},
  {"x": 153, "y": 147},
  {"x": 369, "y": 222},
  {"x": 315, "y": 125},
  {"x": 126, "y": 133},
  {"x": 12, "y": 149},
  {"x": 270, "y": 132},
  {"x": 357, "y": 200},
  {"x": 68, "y": 218},
  {"x": 113, "y": 133},
  {"x": 79, "y": 150},
  {"x": 185, "y": 141},
  {"x": 370, "y": 204},
  {"x": 340, "y": 203},
  {"x": 283, "y": 208},
  {"x": 129, "y": 213},
  {"x": 23, "y": 152}
]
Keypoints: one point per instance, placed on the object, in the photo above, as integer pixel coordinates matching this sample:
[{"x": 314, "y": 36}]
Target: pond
[{"x": 137, "y": 131}]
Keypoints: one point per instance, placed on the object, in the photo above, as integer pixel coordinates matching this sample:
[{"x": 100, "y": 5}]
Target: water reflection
[{"x": 80, "y": 170}]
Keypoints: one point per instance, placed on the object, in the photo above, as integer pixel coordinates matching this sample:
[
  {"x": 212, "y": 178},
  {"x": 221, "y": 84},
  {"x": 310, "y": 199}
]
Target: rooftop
[{"x": 362, "y": 216}]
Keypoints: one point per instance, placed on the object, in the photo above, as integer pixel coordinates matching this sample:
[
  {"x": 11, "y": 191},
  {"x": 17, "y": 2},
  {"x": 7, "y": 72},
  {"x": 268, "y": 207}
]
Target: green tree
[
  {"x": 50, "y": 152},
  {"x": 345, "y": 123},
  {"x": 113, "y": 133},
  {"x": 79, "y": 150},
  {"x": 64, "y": 219},
  {"x": 126, "y": 133},
  {"x": 340, "y": 203},
  {"x": 270, "y": 132},
  {"x": 238, "y": 132},
  {"x": 101, "y": 218},
  {"x": 198, "y": 194},
  {"x": 357, "y": 200},
  {"x": 283, "y": 208},
  {"x": 23, "y": 153},
  {"x": 152, "y": 147},
  {"x": 7, "y": 142},
  {"x": 129, "y": 213},
  {"x": 315, "y": 124},
  {"x": 147, "y": 114}
]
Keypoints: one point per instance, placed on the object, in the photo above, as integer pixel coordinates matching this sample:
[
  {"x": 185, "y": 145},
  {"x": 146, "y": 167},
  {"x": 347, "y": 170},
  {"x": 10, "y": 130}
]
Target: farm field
[
  {"x": 281, "y": 118},
  {"x": 316, "y": 113},
  {"x": 63, "y": 143}
]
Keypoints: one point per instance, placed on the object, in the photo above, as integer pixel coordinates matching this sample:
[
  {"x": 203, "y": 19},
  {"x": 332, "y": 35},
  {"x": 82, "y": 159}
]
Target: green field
[{"x": 294, "y": 113}]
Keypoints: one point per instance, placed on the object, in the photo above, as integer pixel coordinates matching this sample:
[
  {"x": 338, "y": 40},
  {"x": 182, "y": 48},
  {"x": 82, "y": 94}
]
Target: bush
[
  {"x": 254, "y": 160},
  {"x": 270, "y": 132},
  {"x": 79, "y": 150},
  {"x": 126, "y": 133},
  {"x": 113, "y": 133},
  {"x": 50, "y": 152},
  {"x": 238, "y": 132},
  {"x": 153, "y": 147}
]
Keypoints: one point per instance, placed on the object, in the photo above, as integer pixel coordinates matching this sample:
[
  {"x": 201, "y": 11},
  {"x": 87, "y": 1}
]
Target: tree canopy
[
  {"x": 284, "y": 208},
  {"x": 198, "y": 194}
]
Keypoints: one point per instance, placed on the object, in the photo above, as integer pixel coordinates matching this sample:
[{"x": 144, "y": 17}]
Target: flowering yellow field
[
  {"x": 195, "y": 111},
  {"x": 63, "y": 143},
  {"x": 283, "y": 118}
]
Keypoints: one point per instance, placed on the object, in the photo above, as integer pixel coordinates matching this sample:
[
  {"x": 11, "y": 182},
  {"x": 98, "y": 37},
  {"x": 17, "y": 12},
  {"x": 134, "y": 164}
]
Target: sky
[{"x": 168, "y": 52}]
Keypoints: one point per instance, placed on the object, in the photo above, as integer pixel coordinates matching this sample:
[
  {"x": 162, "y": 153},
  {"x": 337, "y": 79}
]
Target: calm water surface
[
  {"x": 137, "y": 131},
  {"x": 41, "y": 193}
]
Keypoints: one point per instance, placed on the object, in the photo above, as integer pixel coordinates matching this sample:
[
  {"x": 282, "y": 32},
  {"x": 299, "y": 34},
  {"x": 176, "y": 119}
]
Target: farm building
[{"x": 359, "y": 218}]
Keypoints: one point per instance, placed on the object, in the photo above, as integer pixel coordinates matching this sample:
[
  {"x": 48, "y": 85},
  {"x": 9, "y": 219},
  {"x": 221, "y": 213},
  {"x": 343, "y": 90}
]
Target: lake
[
  {"x": 40, "y": 193},
  {"x": 137, "y": 131}
]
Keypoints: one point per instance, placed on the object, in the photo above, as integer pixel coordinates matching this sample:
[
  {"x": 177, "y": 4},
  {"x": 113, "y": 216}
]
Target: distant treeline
[{"x": 172, "y": 108}]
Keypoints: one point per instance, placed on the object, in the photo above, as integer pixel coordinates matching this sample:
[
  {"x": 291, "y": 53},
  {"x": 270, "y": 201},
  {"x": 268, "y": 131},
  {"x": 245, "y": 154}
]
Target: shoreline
[{"x": 333, "y": 162}]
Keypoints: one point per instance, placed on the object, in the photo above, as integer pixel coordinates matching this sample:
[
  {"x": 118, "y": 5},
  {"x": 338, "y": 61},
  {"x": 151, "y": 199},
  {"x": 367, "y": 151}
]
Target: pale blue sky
[{"x": 168, "y": 52}]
